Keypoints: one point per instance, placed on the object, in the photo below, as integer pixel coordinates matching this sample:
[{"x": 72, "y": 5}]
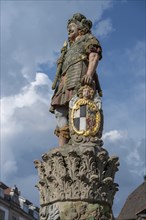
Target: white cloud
[
  {"x": 104, "y": 28},
  {"x": 28, "y": 96},
  {"x": 41, "y": 79},
  {"x": 23, "y": 116},
  {"x": 128, "y": 148},
  {"x": 113, "y": 135}
]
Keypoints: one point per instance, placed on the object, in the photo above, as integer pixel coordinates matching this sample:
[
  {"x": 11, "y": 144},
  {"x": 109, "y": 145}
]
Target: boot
[
  {"x": 63, "y": 135},
  {"x": 62, "y": 141}
]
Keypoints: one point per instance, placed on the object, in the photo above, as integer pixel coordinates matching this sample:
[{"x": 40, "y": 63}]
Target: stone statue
[
  {"x": 76, "y": 67},
  {"x": 76, "y": 180}
]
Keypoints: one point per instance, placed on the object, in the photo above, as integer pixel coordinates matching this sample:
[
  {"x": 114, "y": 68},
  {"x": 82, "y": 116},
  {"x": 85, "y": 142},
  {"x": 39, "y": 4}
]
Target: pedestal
[{"x": 77, "y": 183}]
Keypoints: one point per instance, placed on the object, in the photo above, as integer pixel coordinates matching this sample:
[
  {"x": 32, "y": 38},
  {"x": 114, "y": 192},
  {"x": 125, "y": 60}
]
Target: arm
[{"x": 93, "y": 62}]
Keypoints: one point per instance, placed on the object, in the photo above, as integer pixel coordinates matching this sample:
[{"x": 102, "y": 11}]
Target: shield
[{"x": 85, "y": 117}]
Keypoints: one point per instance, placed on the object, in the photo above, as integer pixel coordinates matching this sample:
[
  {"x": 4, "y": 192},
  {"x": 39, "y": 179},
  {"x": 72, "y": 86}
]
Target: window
[
  {"x": 14, "y": 218},
  {"x": 36, "y": 214},
  {"x": 2, "y": 215},
  {"x": 2, "y": 193},
  {"x": 25, "y": 207}
]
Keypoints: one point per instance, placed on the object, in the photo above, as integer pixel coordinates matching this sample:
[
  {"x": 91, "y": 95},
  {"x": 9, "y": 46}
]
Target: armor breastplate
[
  {"x": 73, "y": 54},
  {"x": 74, "y": 64}
]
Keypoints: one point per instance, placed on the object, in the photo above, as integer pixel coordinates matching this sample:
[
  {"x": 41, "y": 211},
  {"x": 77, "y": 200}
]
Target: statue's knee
[
  {"x": 58, "y": 114},
  {"x": 61, "y": 117}
]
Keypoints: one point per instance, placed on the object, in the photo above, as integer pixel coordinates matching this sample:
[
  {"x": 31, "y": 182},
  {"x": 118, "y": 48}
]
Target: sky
[{"x": 32, "y": 34}]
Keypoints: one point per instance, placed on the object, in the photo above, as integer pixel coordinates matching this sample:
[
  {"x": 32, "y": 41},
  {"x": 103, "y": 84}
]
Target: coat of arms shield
[
  {"x": 85, "y": 117},
  {"x": 85, "y": 114}
]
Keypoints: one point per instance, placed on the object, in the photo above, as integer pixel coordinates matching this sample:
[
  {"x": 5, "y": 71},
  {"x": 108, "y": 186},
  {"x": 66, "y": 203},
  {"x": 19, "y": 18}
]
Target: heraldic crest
[{"x": 86, "y": 118}]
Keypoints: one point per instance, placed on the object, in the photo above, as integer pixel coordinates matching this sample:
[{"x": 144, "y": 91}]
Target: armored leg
[{"x": 62, "y": 129}]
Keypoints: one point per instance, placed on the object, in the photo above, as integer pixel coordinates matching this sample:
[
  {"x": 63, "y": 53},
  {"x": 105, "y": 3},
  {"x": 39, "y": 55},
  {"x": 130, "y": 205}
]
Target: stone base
[
  {"x": 78, "y": 210},
  {"x": 76, "y": 183}
]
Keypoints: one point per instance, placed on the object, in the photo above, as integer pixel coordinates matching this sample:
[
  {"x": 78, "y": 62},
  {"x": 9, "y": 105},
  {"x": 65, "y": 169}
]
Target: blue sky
[{"x": 32, "y": 34}]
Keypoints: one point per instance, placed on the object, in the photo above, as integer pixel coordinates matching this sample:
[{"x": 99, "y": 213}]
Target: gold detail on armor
[{"x": 83, "y": 57}]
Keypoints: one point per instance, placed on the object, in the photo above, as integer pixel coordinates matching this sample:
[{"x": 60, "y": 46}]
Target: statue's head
[{"x": 78, "y": 25}]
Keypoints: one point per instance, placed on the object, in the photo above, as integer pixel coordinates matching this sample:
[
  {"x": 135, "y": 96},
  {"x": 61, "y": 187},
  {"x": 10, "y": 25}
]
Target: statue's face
[{"x": 72, "y": 32}]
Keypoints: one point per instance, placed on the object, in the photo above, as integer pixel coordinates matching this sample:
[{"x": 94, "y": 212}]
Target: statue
[
  {"x": 76, "y": 180},
  {"x": 76, "y": 67}
]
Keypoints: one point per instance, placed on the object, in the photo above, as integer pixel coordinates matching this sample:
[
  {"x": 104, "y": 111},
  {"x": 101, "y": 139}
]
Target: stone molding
[{"x": 77, "y": 174}]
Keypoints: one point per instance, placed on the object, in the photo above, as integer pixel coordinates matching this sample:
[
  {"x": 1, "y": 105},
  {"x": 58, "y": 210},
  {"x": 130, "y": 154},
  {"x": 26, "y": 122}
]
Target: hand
[{"x": 87, "y": 80}]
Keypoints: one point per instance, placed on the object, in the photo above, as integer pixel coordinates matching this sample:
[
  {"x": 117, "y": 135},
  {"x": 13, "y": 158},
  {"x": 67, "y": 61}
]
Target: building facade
[{"x": 14, "y": 207}]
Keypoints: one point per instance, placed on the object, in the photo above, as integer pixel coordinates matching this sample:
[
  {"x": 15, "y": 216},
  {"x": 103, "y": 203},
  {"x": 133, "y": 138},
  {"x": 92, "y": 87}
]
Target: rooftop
[{"x": 135, "y": 203}]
